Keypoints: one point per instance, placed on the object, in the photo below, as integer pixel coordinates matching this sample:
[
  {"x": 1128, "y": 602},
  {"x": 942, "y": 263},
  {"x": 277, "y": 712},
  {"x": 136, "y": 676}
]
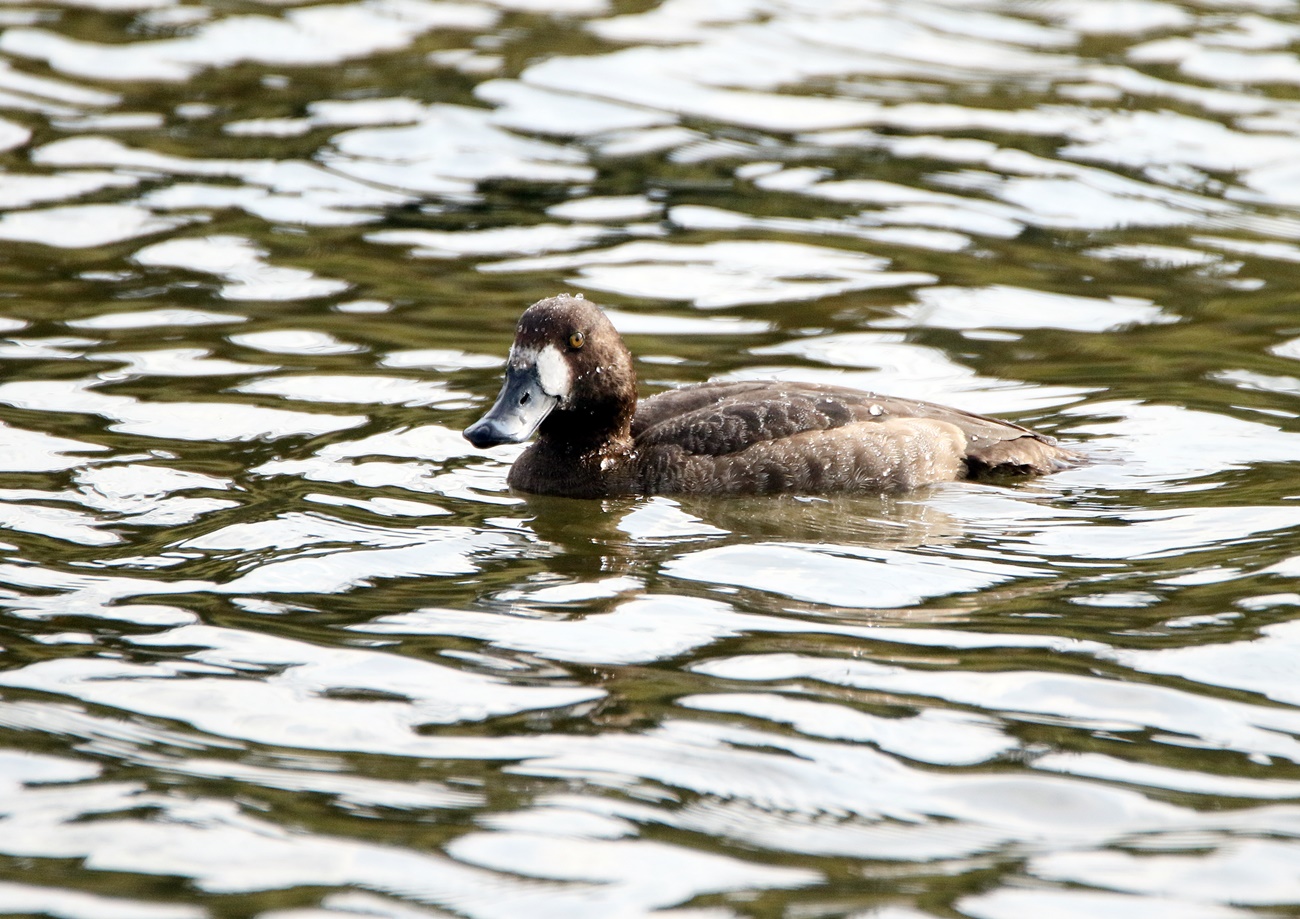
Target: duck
[{"x": 570, "y": 380}]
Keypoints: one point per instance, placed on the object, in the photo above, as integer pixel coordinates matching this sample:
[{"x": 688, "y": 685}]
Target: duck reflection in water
[{"x": 570, "y": 380}]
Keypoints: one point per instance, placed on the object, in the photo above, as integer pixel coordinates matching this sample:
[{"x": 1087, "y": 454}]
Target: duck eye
[{"x": 577, "y": 340}]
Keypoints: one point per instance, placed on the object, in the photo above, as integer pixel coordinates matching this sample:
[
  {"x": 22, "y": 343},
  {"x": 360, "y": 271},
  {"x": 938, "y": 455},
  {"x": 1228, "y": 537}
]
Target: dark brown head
[{"x": 569, "y": 375}]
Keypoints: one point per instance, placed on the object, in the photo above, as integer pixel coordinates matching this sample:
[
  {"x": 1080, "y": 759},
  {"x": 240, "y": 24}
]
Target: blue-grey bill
[{"x": 519, "y": 410}]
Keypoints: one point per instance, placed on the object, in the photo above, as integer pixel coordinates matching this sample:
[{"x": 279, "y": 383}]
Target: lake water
[{"x": 275, "y": 641}]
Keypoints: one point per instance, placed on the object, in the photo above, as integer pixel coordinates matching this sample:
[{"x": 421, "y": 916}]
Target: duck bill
[{"x": 518, "y": 412}]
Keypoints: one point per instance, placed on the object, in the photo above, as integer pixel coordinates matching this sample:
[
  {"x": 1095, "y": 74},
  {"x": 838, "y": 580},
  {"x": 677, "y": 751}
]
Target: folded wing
[{"x": 722, "y": 419}]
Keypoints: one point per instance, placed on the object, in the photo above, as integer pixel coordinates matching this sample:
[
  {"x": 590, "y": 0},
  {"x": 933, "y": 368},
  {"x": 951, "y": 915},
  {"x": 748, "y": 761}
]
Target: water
[{"x": 277, "y": 642}]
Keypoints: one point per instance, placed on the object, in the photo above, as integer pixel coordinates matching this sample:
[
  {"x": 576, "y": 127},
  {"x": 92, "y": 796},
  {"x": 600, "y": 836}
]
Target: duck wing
[
  {"x": 715, "y": 419},
  {"x": 719, "y": 419}
]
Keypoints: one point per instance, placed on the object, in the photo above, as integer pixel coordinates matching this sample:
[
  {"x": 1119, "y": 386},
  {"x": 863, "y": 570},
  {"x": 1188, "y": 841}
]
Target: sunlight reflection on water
[{"x": 279, "y": 642}]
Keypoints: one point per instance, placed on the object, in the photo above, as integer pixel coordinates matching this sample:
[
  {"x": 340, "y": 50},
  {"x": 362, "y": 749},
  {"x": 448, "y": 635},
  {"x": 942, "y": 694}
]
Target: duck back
[{"x": 761, "y": 437}]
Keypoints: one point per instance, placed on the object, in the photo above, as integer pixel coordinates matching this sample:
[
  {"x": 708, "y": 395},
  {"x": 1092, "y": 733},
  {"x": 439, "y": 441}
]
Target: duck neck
[{"x": 597, "y": 428}]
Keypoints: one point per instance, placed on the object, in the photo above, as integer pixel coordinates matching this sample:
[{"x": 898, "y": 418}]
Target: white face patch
[{"x": 553, "y": 371}]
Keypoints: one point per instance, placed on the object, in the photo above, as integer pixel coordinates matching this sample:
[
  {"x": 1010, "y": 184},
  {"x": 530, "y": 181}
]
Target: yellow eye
[{"x": 577, "y": 340}]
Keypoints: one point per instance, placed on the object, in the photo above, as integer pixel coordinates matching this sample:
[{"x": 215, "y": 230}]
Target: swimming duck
[{"x": 570, "y": 380}]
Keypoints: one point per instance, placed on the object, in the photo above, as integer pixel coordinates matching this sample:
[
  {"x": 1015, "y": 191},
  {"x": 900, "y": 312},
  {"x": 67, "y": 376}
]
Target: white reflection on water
[
  {"x": 351, "y": 790},
  {"x": 934, "y": 736},
  {"x": 18, "y": 767},
  {"x": 694, "y": 217},
  {"x": 416, "y": 453},
  {"x": 723, "y": 274},
  {"x": 142, "y": 495},
  {"x": 1162, "y": 446},
  {"x": 1162, "y": 256},
  {"x": 687, "y": 76},
  {"x": 22, "y": 190},
  {"x": 322, "y": 34},
  {"x": 241, "y": 264},
  {"x": 650, "y": 628},
  {"x": 503, "y": 241},
  {"x": 1264, "y": 868},
  {"x": 830, "y": 793},
  {"x": 294, "y": 341},
  {"x": 532, "y": 109},
  {"x": 1002, "y": 307},
  {"x": 12, "y": 135},
  {"x": 1159, "y": 534},
  {"x": 633, "y": 874},
  {"x": 293, "y": 191},
  {"x": 35, "y": 451},
  {"x": 220, "y": 849},
  {"x": 366, "y": 390},
  {"x": 895, "y": 365},
  {"x": 1095, "y": 703},
  {"x": 438, "y": 359},
  {"x": 247, "y": 686},
  {"x": 176, "y": 362},
  {"x": 1097, "y": 766},
  {"x": 85, "y": 226},
  {"x": 1269, "y": 664},
  {"x": 421, "y": 552},
  {"x": 178, "y": 420},
  {"x": 1010, "y": 903},
  {"x": 20, "y": 898},
  {"x": 843, "y": 577},
  {"x": 642, "y": 323},
  {"x": 19, "y": 511},
  {"x": 615, "y": 208},
  {"x": 448, "y": 151},
  {"x": 147, "y": 319},
  {"x": 1073, "y": 695}
]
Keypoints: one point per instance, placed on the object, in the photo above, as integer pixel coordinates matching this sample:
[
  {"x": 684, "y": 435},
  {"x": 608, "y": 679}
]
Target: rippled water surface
[{"x": 277, "y": 642}]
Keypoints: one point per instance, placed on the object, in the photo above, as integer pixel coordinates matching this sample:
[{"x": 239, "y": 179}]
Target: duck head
[{"x": 568, "y": 373}]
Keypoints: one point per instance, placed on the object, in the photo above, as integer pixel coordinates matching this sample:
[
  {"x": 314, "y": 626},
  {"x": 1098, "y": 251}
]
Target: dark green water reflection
[{"x": 278, "y": 642}]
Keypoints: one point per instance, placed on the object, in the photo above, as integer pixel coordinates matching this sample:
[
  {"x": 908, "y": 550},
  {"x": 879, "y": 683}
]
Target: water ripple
[{"x": 277, "y": 641}]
